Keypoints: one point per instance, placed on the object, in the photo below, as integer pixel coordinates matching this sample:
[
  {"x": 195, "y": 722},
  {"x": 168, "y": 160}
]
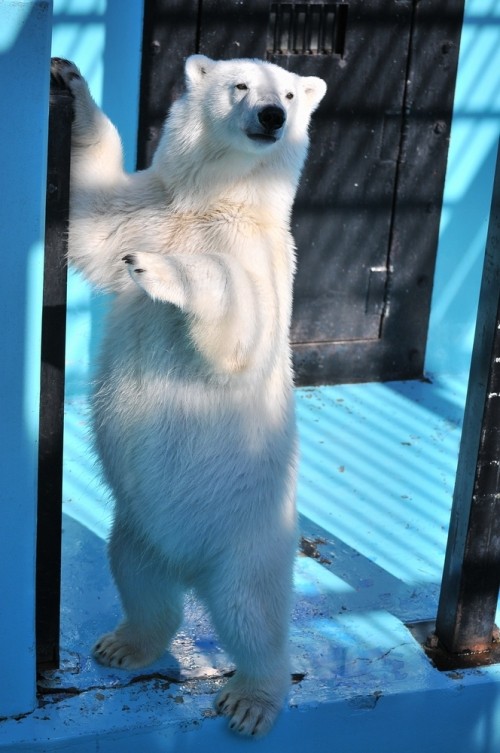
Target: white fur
[{"x": 193, "y": 407}]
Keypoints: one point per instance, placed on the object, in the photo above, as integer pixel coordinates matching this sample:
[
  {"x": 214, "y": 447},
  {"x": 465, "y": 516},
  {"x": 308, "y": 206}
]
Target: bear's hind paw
[
  {"x": 117, "y": 650},
  {"x": 249, "y": 715}
]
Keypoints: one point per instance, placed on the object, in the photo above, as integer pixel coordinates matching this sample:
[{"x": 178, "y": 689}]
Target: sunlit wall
[
  {"x": 103, "y": 37},
  {"x": 467, "y": 198}
]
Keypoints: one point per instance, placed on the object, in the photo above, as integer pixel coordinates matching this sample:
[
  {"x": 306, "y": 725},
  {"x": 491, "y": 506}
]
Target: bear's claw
[
  {"x": 119, "y": 649},
  {"x": 130, "y": 259},
  {"x": 250, "y": 714}
]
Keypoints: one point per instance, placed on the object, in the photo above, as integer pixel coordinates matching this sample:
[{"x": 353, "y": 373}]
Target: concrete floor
[{"x": 376, "y": 482}]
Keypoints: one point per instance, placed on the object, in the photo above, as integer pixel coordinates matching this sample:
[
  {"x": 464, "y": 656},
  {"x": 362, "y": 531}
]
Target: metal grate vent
[{"x": 307, "y": 29}]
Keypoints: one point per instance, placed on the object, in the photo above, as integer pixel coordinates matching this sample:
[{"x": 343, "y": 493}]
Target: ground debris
[{"x": 309, "y": 548}]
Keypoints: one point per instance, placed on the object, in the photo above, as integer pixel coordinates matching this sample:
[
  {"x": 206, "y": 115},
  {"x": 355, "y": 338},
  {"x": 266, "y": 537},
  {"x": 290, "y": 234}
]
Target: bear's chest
[{"x": 224, "y": 229}]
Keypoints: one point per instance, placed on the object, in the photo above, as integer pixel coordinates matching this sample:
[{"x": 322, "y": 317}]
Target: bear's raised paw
[
  {"x": 63, "y": 73},
  {"x": 88, "y": 123}
]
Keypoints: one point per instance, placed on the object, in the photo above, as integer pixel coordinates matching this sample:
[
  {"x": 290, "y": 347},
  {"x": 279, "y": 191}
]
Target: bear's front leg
[
  {"x": 98, "y": 184},
  {"x": 96, "y": 155},
  {"x": 216, "y": 291},
  {"x": 159, "y": 276}
]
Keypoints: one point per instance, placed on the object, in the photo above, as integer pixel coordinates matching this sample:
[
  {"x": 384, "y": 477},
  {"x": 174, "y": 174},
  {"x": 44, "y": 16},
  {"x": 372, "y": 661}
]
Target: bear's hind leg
[
  {"x": 152, "y": 602},
  {"x": 251, "y": 616}
]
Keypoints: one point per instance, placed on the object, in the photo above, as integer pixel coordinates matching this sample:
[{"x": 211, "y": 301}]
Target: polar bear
[{"x": 193, "y": 412}]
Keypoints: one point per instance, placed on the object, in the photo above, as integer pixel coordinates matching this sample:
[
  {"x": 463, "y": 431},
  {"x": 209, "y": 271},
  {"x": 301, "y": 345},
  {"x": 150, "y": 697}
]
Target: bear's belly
[
  {"x": 193, "y": 483},
  {"x": 182, "y": 449}
]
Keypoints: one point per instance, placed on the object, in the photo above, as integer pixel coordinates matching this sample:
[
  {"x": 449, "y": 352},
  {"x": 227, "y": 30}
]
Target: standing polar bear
[{"x": 193, "y": 411}]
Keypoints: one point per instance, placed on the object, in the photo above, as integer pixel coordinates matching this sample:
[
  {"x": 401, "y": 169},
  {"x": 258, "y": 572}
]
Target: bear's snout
[{"x": 272, "y": 117}]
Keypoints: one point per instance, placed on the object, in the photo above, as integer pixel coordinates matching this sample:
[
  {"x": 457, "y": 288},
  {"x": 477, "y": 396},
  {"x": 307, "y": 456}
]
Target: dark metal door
[{"x": 367, "y": 213}]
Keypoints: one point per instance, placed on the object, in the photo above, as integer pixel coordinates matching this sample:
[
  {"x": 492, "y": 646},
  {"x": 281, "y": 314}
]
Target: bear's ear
[
  {"x": 197, "y": 66},
  {"x": 315, "y": 89}
]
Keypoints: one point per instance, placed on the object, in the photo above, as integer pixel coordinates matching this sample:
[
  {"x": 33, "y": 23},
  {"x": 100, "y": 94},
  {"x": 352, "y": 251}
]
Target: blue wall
[
  {"x": 467, "y": 198},
  {"x": 24, "y": 83},
  {"x": 103, "y": 37}
]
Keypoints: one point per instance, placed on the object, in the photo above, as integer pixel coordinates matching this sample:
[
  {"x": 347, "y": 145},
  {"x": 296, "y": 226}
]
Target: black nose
[{"x": 272, "y": 117}]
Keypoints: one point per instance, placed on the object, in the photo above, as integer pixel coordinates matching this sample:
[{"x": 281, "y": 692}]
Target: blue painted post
[
  {"x": 25, "y": 34},
  {"x": 471, "y": 577}
]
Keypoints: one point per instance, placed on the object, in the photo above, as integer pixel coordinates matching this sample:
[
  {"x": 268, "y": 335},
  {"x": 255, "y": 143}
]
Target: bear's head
[
  {"x": 251, "y": 105},
  {"x": 239, "y": 133}
]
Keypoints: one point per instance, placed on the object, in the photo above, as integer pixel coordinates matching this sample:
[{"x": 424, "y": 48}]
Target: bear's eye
[
  {"x": 289, "y": 95},
  {"x": 242, "y": 87}
]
